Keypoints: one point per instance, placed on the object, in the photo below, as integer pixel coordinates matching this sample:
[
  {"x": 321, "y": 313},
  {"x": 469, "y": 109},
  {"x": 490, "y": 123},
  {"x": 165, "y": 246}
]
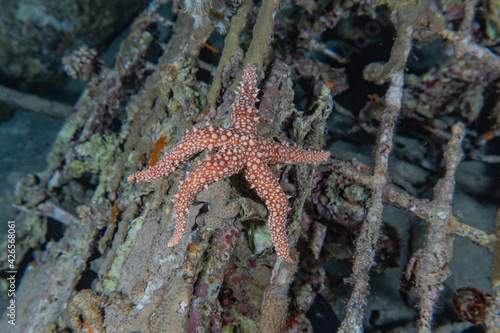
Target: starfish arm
[
  {"x": 276, "y": 153},
  {"x": 191, "y": 144},
  {"x": 224, "y": 164},
  {"x": 244, "y": 118},
  {"x": 269, "y": 190}
]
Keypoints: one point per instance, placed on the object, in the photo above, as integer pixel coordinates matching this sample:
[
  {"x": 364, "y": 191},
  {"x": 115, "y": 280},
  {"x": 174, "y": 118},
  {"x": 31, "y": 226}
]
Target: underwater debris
[{"x": 222, "y": 276}]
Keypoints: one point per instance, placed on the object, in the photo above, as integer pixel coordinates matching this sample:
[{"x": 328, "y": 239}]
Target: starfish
[{"x": 239, "y": 148}]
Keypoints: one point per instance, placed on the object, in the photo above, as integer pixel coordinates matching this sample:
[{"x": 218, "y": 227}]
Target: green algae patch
[{"x": 114, "y": 274}]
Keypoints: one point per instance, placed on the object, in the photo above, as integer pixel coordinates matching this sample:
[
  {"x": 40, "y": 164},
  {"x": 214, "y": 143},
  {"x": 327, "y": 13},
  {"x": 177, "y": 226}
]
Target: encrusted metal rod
[
  {"x": 418, "y": 207},
  {"x": 464, "y": 42},
  {"x": 231, "y": 48},
  {"x": 432, "y": 260},
  {"x": 475, "y": 235},
  {"x": 275, "y": 300},
  {"x": 369, "y": 235},
  {"x": 492, "y": 318},
  {"x": 260, "y": 46},
  {"x": 33, "y": 103}
]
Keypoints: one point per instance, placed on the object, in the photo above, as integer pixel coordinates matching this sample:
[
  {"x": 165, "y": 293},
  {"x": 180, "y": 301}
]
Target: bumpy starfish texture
[{"x": 239, "y": 148}]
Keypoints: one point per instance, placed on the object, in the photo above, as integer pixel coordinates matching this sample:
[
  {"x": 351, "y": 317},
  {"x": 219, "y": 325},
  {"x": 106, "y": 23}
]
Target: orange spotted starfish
[{"x": 239, "y": 149}]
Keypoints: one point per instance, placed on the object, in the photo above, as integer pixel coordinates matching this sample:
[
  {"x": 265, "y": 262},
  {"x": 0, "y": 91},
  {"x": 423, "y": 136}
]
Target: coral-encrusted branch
[
  {"x": 11, "y": 98},
  {"x": 368, "y": 237},
  {"x": 231, "y": 49},
  {"x": 492, "y": 318},
  {"x": 206, "y": 292},
  {"x": 432, "y": 260},
  {"x": 464, "y": 44},
  {"x": 223, "y": 275},
  {"x": 276, "y": 299}
]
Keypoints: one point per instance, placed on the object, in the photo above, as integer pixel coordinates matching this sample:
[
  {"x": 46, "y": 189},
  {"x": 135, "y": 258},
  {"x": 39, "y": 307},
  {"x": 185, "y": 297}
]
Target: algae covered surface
[{"x": 382, "y": 235}]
